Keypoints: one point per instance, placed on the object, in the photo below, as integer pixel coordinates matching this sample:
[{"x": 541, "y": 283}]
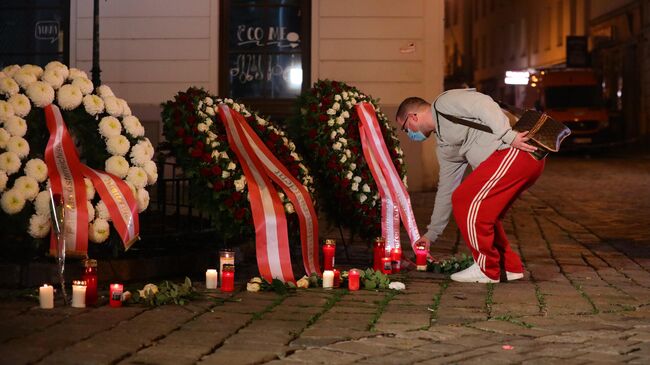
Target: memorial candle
[
  {"x": 396, "y": 259},
  {"x": 46, "y": 296},
  {"x": 329, "y": 252},
  {"x": 79, "y": 294},
  {"x": 337, "y": 278},
  {"x": 328, "y": 279},
  {"x": 353, "y": 279},
  {"x": 386, "y": 265},
  {"x": 226, "y": 257},
  {"x": 211, "y": 279},
  {"x": 115, "y": 295},
  {"x": 421, "y": 257},
  {"x": 378, "y": 252},
  {"x": 228, "y": 278},
  {"x": 90, "y": 277}
]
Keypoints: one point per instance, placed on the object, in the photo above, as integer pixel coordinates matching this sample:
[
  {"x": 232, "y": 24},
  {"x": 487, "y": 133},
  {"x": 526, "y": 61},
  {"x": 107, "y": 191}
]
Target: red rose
[
  {"x": 188, "y": 140},
  {"x": 200, "y": 145},
  {"x": 240, "y": 213},
  {"x": 312, "y": 133},
  {"x": 217, "y": 186},
  {"x": 229, "y": 202},
  {"x": 323, "y": 118},
  {"x": 236, "y": 196},
  {"x": 216, "y": 170},
  {"x": 313, "y": 108},
  {"x": 205, "y": 172},
  {"x": 207, "y": 157},
  {"x": 191, "y": 120},
  {"x": 196, "y": 153},
  {"x": 180, "y": 132}
]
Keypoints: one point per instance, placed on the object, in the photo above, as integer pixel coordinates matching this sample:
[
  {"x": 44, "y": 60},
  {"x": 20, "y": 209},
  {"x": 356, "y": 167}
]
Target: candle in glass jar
[
  {"x": 328, "y": 279},
  {"x": 115, "y": 295},
  {"x": 421, "y": 257},
  {"x": 386, "y": 265},
  {"x": 228, "y": 278},
  {"x": 79, "y": 294},
  {"x": 337, "y": 278},
  {"x": 46, "y": 296},
  {"x": 329, "y": 253},
  {"x": 90, "y": 277},
  {"x": 353, "y": 279},
  {"x": 396, "y": 259},
  {"x": 211, "y": 279},
  {"x": 226, "y": 257},
  {"x": 378, "y": 251}
]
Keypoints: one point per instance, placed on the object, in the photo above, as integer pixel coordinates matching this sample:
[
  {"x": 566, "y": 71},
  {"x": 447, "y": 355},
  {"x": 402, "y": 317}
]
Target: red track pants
[{"x": 483, "y": 198}]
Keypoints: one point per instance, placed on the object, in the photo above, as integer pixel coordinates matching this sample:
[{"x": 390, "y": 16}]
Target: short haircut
[{"x": 410, "y": 103}]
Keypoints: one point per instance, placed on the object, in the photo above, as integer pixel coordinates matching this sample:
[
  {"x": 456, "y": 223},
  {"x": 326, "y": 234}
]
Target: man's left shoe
[
  {"x": 472, "y": 274},
  {"x": 512, "y": 276}
]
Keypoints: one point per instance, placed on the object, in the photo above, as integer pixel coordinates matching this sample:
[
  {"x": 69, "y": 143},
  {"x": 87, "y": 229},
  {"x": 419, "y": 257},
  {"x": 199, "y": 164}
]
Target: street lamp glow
[
  {"x": 295, "y": 76},
  {"x": 516, "y": 77}
]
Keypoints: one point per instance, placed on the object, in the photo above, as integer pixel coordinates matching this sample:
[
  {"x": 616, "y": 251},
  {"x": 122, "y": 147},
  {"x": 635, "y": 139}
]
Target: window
[
  {"x": 34, "y": 31},
  {"x": 265, "y": 53},
  {"x": 560, "y": 23}
]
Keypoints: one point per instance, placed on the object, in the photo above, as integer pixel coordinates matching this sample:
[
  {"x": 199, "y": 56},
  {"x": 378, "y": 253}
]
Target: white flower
[
  {"x": 341, "y": 131},
  {"x": 104, "y": 91},
  {"x": 110, "y": 127},
  {"x": 224, "y": 155},
  {"x": 253, "y": 287},
  {"x": 12, "y": 201},
  {"x": 8, "y": 86},
  {"x": 202, "y": 127},
  {"x": 340, "y": 120},
  {"x": 61, "y": 68},
  {"x": 98, "y": 231},
  {"x": 11, "y": 70},
  {"x": 151, "y": 169},
  {"x": 42, "y": 203},
  {"x": 76, "y": 73},
  {"x": 148, "y": 290},
  {"x": 336, "y": 106},
  {"x": 396, "y": 285},
  {"x": 34, "y": 70},
  {"x": 4, "y": 137},
  {"x": 355, "y": 186},
  {"x": 357, "y": 179},
  {"x": 209, "y": 110},
  {"x": 231, "y": 166},
  {"x": 39, "y": 226},
  {"x": 101, "y": 211},
  {"x": 137, "y": 177},
  {"x": 349, "y": 175},
  {"x": 19, "y": 146},
  {"x": 365, "y": 188},
  {"x": 331, "y": 111},
  {"x": 113, "y": 106},
  {"x": 208, "y": 101},
  {"x": 261, "y": 121},
  {"x": 289, "y": 208},
  {"x": 118, "y": 145},
  {"x": 24, "y": 78},
  {"x": 225, "y": 174},
  {"x": 345, "y": 114},
  {"x": 343, "y": 141},
  {"x": 90, "y": 189},
  {"x": 330, "y": 122},
  {"x": 134, "y": 191},
  {"x": 28, "y": 186},
  {"x": 141, "y": 153},
  {"x": 337, "y": 97},
  {"x": 6, "y": 111},
  {"x": 240, "y": 183},
  {"x": 353, "y": 166},
  {"x": 21, "y": 104},
  {"x": 37, "y": 169},
  {"x": 69, "y": 97},
  {"x": 362, "y": 198},
  {"x": 344, "y": 95},
  {"x": 85, "y": 86},
  {"x": 117, "y": 165},
  {"x": 126, "y": 111},
  {"x": 16, "y": 126},
  {"x": 9, "y": 162},
  {"x": 93, "y": 104},
  {"x": 3, "y": 181},
  {"x": 343, "y": 158},
  {"x": 143, "y": 199},
  {"x": 333, "y": 135},
  {"x": 91, "y": 211},
  {"x": 54, "y": 77},
  {"x": 41, "y": 93}
]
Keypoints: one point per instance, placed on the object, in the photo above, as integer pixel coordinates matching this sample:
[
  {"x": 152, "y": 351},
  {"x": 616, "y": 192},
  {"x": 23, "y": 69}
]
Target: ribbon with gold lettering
[
  {"x": 66, "y": 173},
  {"x": 260, "y": 167}
]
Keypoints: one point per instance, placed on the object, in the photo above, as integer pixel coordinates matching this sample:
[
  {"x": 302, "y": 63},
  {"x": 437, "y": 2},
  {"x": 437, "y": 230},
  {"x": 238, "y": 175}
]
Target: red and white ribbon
[
  {"x": 66, "y": 173},
  {"x": 395, "y": 200},
  {"x": 260, "y": 167}
]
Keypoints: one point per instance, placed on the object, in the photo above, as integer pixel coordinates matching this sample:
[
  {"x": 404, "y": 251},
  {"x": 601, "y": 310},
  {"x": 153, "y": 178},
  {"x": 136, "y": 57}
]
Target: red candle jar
[
  {"x": 421, "y": 257},
  {"x": 329, "y": 251},
  {"x": 90, "y": 277},
  {"x": 378, "y": 252},
  {"x": 396, "y": 259},
  {"x": 353, "y": 279},
  {"x": 337, "y": 278},
  {"x": 115, "y": 295},
  {"x": 386, "y": 265},
  {"x": 228, "y": 278}
]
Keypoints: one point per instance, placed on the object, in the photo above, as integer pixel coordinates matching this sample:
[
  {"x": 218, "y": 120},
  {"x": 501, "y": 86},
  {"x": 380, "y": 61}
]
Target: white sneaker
[
  {"x": 472, "y": 274},
  {"x": 512, "y": 276}
]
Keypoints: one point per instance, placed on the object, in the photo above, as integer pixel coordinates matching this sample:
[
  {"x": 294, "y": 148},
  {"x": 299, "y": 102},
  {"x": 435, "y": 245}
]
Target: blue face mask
[{"x": 416, "y": 136}]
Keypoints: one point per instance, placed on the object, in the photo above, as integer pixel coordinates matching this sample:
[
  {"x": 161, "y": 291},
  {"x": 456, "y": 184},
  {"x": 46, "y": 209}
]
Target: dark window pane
[
  {"x": 573, "y": 96},
  {"x": 285, "y": 75},
  {"x": 247, "y": 77},
  {"x": 268, "y": 28}
]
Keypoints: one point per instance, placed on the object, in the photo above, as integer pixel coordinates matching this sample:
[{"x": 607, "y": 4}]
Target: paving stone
[{"x": 324, "y": 356}]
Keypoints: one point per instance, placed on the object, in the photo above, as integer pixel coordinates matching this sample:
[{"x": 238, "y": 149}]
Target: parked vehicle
[{"x": 574, "y": 97}]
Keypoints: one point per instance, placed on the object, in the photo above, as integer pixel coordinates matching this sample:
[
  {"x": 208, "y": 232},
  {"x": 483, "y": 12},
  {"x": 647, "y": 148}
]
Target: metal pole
[{"x": 95, "y": 70}]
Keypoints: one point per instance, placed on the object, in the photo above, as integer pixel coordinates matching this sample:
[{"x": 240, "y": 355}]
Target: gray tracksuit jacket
[{"x": 459, "y": 145}]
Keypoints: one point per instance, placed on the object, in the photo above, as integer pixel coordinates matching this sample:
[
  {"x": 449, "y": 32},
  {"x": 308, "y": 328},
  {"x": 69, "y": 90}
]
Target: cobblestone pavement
[{"x": 583, "y": 232}]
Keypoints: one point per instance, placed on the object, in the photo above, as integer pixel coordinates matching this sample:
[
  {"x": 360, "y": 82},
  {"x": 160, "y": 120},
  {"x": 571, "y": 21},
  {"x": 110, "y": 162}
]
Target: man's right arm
[{"x": 451, "y": 175}]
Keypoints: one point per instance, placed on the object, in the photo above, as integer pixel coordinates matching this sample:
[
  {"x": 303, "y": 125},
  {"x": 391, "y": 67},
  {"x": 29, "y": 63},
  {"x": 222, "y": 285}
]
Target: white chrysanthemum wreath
[{"x": 23, "y": 173}]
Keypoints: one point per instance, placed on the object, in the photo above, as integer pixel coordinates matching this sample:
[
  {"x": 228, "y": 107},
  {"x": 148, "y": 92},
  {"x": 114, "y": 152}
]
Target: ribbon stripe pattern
[{"x": 261, "y": 168}]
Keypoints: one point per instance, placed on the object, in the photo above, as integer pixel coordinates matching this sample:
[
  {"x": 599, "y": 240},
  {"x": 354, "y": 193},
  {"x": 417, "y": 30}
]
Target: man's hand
[
  {"x": 520, "y": 142},
  {"x": 424, "y": 240}
]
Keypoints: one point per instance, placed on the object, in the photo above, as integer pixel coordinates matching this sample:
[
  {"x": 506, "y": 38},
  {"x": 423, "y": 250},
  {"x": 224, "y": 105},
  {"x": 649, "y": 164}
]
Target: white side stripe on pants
[{"x": 478, "y": 199}]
